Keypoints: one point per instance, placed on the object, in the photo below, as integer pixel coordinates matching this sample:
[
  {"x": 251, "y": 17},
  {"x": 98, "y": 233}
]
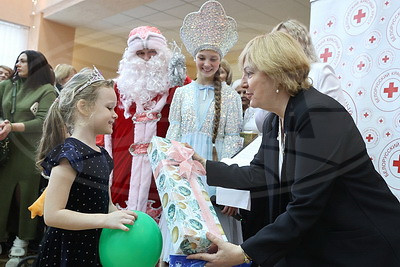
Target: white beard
[{"x": 139, "y": 81}]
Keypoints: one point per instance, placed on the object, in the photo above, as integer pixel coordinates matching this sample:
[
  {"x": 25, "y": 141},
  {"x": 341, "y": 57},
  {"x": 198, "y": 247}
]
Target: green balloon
[{"x": 139, "y": 247}]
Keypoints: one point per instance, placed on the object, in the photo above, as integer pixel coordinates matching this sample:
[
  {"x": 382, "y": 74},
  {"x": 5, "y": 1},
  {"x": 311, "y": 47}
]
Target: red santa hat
[{"x": 146, "y": 37}]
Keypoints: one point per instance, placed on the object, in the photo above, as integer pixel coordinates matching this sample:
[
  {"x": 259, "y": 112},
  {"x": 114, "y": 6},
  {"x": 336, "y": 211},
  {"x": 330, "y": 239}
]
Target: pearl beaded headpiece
[{"x": 209, "y": 29}]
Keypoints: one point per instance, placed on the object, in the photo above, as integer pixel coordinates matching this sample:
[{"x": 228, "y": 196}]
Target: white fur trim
[{"x": 152, "y": 41}]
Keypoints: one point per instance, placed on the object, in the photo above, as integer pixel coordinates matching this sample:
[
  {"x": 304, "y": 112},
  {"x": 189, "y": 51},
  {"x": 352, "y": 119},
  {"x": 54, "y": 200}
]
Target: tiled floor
[{"x": 4, "y": 259}]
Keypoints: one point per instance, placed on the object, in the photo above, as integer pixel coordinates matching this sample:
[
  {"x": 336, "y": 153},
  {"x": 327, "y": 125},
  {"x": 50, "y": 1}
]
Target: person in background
[
  {"x": 207, "y": 113},
  {"x": 5, "y": 72},
  {"x": 63, "y": 73},
  {"x": 77, "y": 196},
  {"x": 25, "y": 100},
  {"x": 249, "y": 123},
  {"x": 144, "y": 96},
  {"x": 225, "y": 72},
  {"x": 328, "y": 206},
  {"x": 237, "y": 86},
  {"x": 321, "y": 74}
]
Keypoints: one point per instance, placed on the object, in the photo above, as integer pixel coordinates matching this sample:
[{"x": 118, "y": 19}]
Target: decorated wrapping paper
[{"x": 187, "y": 207}]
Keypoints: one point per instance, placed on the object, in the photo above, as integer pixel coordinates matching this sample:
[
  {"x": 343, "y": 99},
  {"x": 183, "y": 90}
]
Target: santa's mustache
[{"x": 140, "y": 81}]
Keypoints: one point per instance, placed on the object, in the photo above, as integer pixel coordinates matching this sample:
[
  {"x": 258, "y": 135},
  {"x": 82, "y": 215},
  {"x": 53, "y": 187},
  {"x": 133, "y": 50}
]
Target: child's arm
[
  {"x": 111, "y": 206},
  {"x": 56, "y": 215}
]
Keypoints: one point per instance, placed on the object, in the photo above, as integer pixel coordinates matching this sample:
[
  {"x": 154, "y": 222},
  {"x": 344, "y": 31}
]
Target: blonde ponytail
[{"x": 54, "y": 133}]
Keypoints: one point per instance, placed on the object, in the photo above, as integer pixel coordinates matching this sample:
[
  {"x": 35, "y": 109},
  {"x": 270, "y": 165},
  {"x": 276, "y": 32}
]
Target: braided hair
[{"x": 217, "y": 104}]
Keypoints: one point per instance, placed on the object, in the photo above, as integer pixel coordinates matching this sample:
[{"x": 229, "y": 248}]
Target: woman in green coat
[{"x": 24, "y": 102}]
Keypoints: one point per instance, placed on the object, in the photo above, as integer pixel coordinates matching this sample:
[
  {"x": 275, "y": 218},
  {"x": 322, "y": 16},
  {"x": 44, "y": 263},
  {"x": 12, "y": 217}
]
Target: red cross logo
[
  {"x": 369, "y": 138},
  {"x": 326, "y": 55},
  {"x": 396, "y": 163},
  {"x": 390, "y": 90},
  {"x": 359, "y": 16},
  {"x": 351, "y": 48},
  {"x": 366, "y": 114},
  {"x": 330, "y": 24},
  {"x": 387, "y": 3},
  {"x": 361, "y": 65},
  {"x": 388, "y": 134},
  {"x": 385, "y": 59},
  {"x": 383, "y": 18},
  {"x": 360, "y": 93},
  {"x": 372, "y": 39}
]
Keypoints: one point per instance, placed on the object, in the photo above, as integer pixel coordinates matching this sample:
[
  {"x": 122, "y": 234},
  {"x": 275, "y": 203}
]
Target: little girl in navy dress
[{"x": 77, "y": 197}]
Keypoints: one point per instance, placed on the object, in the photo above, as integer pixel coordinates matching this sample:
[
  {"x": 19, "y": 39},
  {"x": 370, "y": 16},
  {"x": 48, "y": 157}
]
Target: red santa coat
[{"x": 121, "y": 139}]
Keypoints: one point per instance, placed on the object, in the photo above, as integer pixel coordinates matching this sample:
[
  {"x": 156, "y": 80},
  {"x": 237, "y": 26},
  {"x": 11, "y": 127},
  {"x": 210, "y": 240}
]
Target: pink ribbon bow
[{"x": 187, "y": 166}]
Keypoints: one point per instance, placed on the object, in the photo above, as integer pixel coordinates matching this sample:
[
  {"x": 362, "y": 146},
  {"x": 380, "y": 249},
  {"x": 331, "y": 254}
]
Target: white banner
[{"x": 360, "y": 39}]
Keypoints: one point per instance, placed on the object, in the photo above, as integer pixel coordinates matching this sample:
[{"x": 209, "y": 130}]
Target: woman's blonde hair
[
  {"x": 9, "y": 70},
  {"x": 280, "y": 57},
  {"x": 61, "y": 116},
  {"x": 62, "y": 71},
  {"x": 227, "y": 68},
  {"x": 299, "y": 32}
]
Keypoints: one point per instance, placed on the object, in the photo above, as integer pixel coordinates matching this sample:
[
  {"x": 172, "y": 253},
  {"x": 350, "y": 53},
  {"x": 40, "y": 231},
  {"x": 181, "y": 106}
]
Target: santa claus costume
[{"x": 144, "y": 97}]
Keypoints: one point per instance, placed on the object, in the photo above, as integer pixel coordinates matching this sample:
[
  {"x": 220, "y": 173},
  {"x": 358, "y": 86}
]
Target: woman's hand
[
  {"x": 227, "y": 255},
  {"x": 118, "y": 219},
  {"x": 229, "y": 211},
  {"x": 5, "y": 129},
  {"x": 197, "y": 156},
  {"x": 199, "y": 159}
]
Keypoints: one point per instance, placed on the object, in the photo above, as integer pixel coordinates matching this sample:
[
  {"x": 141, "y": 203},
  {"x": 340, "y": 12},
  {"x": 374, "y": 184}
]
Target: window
[{"x": 14, "y": 40}]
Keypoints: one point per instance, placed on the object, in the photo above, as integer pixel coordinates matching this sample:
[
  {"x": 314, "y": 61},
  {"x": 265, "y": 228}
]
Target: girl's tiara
[{"x": 95, "y": 76}]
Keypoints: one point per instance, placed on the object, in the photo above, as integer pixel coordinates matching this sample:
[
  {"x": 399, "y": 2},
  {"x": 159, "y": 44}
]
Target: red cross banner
[{"x": 360, "y": 39}]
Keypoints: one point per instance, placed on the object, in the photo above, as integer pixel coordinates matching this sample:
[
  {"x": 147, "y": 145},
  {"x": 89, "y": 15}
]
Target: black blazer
[{"x": 330, "y": 207}]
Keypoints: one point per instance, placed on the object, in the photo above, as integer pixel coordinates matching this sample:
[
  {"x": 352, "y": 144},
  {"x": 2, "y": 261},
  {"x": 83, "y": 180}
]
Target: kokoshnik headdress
[{"x": 209, "y": 29}]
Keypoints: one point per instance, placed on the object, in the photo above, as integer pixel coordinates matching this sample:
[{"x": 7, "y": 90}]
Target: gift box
[
  {"x": 186, "y": 204},
  {"x": 181, "y": 261}
]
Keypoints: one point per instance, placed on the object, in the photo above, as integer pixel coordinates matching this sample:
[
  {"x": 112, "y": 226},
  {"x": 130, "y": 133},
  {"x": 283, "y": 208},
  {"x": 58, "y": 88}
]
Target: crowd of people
[
  {"x": 25, "y": 100},
  {"x": 313, "y": 187}
]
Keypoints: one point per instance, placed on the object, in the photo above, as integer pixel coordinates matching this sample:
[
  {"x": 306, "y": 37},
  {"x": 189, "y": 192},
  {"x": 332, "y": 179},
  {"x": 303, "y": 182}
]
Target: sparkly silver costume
[{"x": 191, "y": 119}]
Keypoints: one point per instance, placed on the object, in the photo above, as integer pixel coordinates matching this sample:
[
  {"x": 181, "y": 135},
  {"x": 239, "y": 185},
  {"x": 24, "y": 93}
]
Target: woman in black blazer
[{"x": 327, "y": 204}]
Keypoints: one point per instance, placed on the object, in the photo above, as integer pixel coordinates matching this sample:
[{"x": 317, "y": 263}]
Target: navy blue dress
[{"x": 88, "y": 194}]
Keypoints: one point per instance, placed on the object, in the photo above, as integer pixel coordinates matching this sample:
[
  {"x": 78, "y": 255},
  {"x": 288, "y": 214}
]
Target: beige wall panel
[
  {"x": 16, "y": 11},
  {"x": 87, "y": 56},
  {"x": 56, "y": 42}
]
